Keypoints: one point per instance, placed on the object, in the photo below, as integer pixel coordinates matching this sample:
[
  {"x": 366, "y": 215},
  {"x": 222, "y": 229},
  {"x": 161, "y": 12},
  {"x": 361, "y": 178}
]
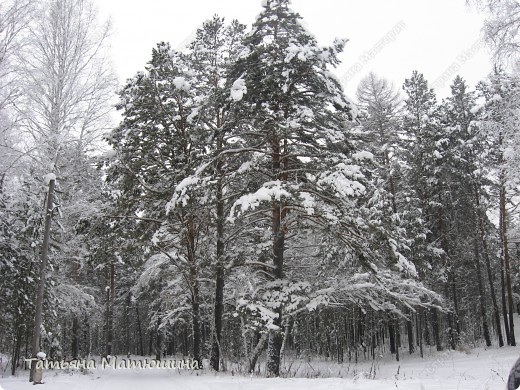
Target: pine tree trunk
[
  {"x": 75, "y": 337},
  {"x": 426, "y": 329},
  {"x": 420, "y": 326},
  {"x": 150, "y": 342},
  {"x": 409, "y": 330},
  {"x": 195, "y": 308},
  {"x": 20, "y": 327},
  {"x": 195, "y": 293},
  {"x": 505, "y": 245},
  {"x": 275, "y": 335},
  {"x": 496, "y": 312},
  {"x": 339, "y": 340},
  {"x": 278, "y": 212},
  {"x": 185, "y": 342},
  {"x": 86, "y": 337},
  {"x": 139, "y": 331},
  {"x": 455, "y": 322},
  {"x": 127, "y": 324},
  {"x": 453, "y": 317},
  {"x": 482, "y": 298},
  {"x": 16, "y": 349},
  {"x": 219, "y": 289},
  {"x": 110, "y": 311},
  {"x": 397, "y": 339},
  {"x": 158, "y": 337},
  {"x": 504, "y": 300},
  {"x": 38, "y": 316},
  {"x": 436, "y": 329},
  {"x": 391, "y": 333}
]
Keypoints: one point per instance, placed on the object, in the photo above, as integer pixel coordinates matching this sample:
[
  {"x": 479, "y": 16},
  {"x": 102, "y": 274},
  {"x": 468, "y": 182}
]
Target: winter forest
[{"x": 243, "y": 211}]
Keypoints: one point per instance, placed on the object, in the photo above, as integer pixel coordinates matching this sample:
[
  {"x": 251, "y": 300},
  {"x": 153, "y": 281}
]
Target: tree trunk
[
  {"x": 195, "y": 293},
  {"x": 195, "y": 307},
  {"x": 219, "y": 288},
  {"x": 110, "y": 310},
  {"x": 496, "y": 312},
  {"x": 426, "y": 329},
  {"x": 505, "y": 245},
  {"x": 420, "y": 323},
  {"x": 158, "y": 338},
  {"x": 397, "y": 338},
  {"x": 482, "y": 298},
  {"x": 391, "y": 333},
  {"x": 16, "y": 349},
  {"x": 278, "y": 224},
  {"x": 286, "y": 335},
  {"x": 257, "y": 351},
  {"x": 139, "y": 330},
  {"x": 409, "y": 331},
  {"x": 504, "y": 300},
  {"x": 339, "y": 340},
  {"x": 127, "y": 324},
  {"x": 436, "y": 329},
  {"x": 482, "y": 235},
  {"x": 49, "y": 209},
  {"x": 75, "y": 337}
]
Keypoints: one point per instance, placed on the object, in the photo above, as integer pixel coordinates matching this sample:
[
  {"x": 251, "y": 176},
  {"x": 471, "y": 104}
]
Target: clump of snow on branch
[
  {"x": 238, "y": 89},
  {"x": 269, "y": 191},
  {"x": 344, "y": 179},
  {"x": 180, "y": 194},
  {"x": 301, "y": 52},
  {"x": 182, "y": 84},
  {"x": 363, "y": 155},
  {"x": 308, "y": 202}
]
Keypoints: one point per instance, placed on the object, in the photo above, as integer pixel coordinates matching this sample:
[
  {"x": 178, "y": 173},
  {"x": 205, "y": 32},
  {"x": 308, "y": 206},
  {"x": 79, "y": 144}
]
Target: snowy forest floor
[{"x": 478, "y": 368}]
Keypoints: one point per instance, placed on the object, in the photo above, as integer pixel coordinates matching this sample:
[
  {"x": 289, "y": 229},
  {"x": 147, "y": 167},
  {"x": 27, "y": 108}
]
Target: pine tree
[
  {"x": 464, "y": 184},
  {"x": 308, "y": 176},
  {"x": 423, "y": 156},
  {"x": 215, "y": 48},
  {"x": 159, "y": 144}
]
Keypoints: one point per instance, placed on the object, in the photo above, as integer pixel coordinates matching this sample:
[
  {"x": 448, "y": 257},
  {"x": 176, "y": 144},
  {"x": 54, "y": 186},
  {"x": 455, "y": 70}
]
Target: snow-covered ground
[{"x": 477, "y": 369}]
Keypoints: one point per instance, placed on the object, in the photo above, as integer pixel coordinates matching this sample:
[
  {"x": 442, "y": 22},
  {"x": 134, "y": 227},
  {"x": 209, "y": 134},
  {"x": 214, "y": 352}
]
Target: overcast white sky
[{"x": 438, "y": 38}]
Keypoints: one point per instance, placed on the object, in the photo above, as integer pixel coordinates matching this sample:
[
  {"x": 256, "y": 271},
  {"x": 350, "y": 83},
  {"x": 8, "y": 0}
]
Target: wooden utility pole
[{"x": 49, "y": 209}]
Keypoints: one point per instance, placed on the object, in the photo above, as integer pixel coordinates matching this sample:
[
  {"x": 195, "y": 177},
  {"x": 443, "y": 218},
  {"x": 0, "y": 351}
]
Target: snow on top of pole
[{"x": 48, "y": 177}]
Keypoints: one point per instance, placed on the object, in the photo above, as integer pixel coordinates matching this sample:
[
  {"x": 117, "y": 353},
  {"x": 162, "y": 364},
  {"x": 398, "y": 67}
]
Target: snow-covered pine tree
[
  {"x": 306, "y": 175},
  {"x": 462, "y": 183},
  {"x": 421, "y": 128},
  {"x": 214, "y": 49},
  {"x": 157, "y": 145}
]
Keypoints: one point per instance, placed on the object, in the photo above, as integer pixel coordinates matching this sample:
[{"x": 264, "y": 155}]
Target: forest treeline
[{"x": 244, "y": 210}]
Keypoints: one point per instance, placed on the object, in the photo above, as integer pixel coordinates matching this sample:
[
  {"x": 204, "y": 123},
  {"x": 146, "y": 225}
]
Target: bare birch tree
[
  {"x": 501, "y": 28},
  {"x": 14, "y": 18},
  {"x": 68, "y": 81}
]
